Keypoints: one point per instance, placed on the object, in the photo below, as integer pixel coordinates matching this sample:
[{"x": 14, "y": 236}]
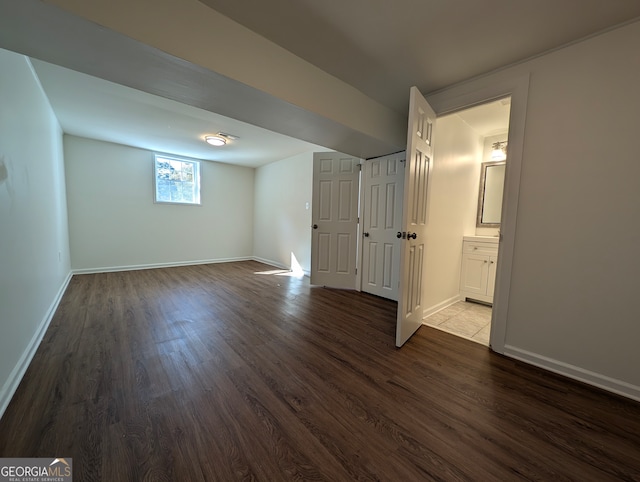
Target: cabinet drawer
[{"x": 469, "y": 247}]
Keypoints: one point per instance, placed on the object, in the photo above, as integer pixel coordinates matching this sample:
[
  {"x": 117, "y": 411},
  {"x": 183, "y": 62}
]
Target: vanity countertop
[{"x": 482, "y": 239}]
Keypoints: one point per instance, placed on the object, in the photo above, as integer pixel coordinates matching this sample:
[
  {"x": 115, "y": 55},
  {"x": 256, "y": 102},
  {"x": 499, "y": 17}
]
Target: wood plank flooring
[{"x": 218, "y": 372}]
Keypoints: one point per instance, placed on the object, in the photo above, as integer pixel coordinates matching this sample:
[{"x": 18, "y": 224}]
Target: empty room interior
[{"x": 287, "y": 240}]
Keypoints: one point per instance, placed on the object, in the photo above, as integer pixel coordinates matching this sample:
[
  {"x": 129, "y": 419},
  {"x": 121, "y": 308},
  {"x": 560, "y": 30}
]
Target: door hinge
[{"x": 356, "y": 270}]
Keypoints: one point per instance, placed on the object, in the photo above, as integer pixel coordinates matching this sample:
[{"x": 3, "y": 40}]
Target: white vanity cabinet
[{"x": 479, "y": 261}]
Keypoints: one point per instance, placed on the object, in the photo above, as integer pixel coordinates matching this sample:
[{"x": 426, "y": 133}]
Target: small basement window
[{"x": 177, "y": 181}]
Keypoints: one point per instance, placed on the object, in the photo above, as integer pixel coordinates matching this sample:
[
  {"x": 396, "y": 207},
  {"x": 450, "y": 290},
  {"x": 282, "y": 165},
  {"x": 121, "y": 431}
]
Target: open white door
[
  {"x": 382, "y": 183},
  {"x": 334, "y": 213},
  {"x": 414, "y": 217}
]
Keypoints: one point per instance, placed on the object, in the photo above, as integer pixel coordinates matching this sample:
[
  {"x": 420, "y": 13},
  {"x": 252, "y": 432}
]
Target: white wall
[
  {"x": 114, "y": 223},
  {"x": 576, "y": 264},
  {"x": 573, "y": 292},
  {"x": 452, "y": 207},
  {"x": 282, "y": 220},
  {"x": 34, "y": 245}
]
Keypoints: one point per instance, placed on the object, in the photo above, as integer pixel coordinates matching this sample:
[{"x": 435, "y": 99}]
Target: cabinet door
[
  {"x": 491, "y": 280},
  {"x": 475, "y": 271}
]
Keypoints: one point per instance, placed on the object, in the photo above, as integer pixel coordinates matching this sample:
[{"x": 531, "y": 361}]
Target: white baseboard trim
[
  {"x": 110, "y": 269},
  {"x": 441, "y": 306},
  {"x": 270, "y": 262},
  {"x": 11, "y": 385},
  {"x": 591, "y": 378},
  {"x": 277, "y": 264}
]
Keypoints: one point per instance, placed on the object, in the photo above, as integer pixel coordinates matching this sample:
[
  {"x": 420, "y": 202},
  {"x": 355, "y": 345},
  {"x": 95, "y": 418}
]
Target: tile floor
[{"x": 468, "y": 320}]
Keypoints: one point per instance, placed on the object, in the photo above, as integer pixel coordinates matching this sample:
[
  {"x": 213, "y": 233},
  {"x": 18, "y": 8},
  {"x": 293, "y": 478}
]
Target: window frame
[{"x": 197, "y": 178}]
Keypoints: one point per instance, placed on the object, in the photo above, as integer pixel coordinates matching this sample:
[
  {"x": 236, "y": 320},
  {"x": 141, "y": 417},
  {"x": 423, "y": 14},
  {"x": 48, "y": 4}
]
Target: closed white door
[
  {"x": 334, "y": 213},
  {"x": 382, "y": 183},
  {"x": 414, "y": 218}
]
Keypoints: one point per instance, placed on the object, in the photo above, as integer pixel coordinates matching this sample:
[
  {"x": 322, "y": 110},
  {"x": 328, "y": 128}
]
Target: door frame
[{"x": 478, "y": 92}]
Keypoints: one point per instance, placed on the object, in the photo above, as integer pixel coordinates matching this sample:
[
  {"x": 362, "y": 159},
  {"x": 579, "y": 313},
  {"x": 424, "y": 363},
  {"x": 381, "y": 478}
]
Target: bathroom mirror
[{"x": 490, "y": 194}]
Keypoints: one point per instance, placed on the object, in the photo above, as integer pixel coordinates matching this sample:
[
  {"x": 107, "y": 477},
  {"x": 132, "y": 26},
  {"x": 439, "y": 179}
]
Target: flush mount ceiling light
[
  {"x": 220, "y": 139},
  {"x": 215, "y": 140}
]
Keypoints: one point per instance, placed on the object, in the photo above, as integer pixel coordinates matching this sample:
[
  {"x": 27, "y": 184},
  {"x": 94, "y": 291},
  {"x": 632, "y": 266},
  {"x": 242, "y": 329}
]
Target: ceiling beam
[{"x": 204, "y": 60}]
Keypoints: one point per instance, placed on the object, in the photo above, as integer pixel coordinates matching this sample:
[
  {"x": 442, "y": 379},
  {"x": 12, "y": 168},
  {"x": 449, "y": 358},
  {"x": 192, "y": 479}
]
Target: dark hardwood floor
[{"x": 216, "y": 372}]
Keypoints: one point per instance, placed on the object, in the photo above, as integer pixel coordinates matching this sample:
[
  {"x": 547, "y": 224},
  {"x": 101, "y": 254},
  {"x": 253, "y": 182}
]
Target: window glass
[{"x": 176, "y": 180}]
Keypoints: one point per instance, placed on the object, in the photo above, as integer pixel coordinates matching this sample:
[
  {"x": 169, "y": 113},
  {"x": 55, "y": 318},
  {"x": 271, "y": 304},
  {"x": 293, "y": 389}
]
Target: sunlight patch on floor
[{"x": 296, "y": 270}]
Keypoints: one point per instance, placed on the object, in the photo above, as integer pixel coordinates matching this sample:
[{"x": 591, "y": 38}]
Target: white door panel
[
  {"x": 383, "y": 180},
  {"x": 414, "y": 218},
  {"x": 475, "y": 273},
  {"x": 336, "y": 179}
]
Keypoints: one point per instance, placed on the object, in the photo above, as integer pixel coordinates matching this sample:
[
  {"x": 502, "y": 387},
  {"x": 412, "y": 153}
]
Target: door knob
[
  {"x": 398, "y": 234},
  {"x": 412, "y": 235},
  {"x": 366, "y": 235},
  {"x": 315, "y": 226}
]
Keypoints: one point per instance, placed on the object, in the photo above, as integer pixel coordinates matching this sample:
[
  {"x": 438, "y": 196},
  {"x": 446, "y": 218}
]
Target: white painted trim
[
  {"x": 110, "y": 269},
  {"x": 11, "y": 385},
  {"x": 476, "y": 92},
  {"x": 571, "y": 371},
  {"x": 277, "y": 264},
  {"x": 441, "y": 306},
  {"x": 360, "y": 240}
]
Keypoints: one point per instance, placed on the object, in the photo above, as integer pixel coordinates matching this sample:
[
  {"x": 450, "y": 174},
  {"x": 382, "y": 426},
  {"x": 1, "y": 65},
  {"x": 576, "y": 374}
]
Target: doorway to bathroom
[{"x": 465, "y": 203}]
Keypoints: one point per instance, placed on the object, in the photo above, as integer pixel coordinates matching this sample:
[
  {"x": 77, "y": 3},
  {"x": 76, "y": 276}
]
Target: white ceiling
[
  {"x": 488, "y": 119},
  {"x": 383, "y": 47},
  {"x": 379, "y": 47},
  {"x": 90, "y": 107}
]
